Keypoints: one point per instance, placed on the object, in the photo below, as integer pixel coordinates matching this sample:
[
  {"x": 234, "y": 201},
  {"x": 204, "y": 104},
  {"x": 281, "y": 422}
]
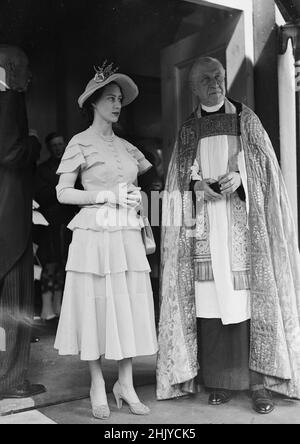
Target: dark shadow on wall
[
  {"x": 266, "y": 90},
  {"x": 266, "y": 68},
  {"x": 266, "y": 96}
]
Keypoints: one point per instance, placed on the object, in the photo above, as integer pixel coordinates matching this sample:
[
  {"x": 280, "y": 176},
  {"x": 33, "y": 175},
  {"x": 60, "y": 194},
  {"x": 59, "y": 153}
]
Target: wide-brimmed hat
[{"x": 103, "y": 77}]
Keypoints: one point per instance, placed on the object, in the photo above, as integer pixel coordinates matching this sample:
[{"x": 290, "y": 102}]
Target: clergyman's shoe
[
  {"x": 25, "y": 390},
  {"x": 262, "y": 402},
  {"x": 218, "y": 397}
]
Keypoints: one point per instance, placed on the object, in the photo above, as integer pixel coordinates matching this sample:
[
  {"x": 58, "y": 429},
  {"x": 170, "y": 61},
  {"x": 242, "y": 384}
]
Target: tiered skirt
[{"x": 108, "y": 305}]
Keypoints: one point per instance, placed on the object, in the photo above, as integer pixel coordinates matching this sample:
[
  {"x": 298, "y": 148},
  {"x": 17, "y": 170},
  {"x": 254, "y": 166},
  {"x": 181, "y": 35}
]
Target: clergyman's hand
[
  {"x": 209, "y": 194},
  {"x": 230, "y": 182}
]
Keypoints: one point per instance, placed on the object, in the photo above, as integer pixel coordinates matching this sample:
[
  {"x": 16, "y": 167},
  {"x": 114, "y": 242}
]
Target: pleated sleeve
[
  {"x": 143, "y": 164},
  {"x": 72, "y": 160}
]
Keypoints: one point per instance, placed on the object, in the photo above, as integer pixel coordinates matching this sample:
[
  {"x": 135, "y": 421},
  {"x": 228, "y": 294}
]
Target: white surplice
[{"x": 218, "y": 299}]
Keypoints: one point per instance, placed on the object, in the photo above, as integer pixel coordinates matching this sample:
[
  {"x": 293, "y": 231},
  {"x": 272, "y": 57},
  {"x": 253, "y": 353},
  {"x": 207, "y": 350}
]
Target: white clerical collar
[{"x": 213, "y": 109}]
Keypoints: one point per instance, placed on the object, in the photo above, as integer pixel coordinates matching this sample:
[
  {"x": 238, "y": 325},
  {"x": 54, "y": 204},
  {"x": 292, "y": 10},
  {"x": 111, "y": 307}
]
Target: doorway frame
[{"x": 247, "y": 10}]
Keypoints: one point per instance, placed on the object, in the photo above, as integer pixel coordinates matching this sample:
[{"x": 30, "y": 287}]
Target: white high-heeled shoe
[
  {"x": 136, "y": 408},
  {"x": 100, "y": 411}
]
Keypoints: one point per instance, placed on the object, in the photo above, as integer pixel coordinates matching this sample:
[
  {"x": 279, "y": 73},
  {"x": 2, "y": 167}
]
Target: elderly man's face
[{"x": 209, "y": 84}]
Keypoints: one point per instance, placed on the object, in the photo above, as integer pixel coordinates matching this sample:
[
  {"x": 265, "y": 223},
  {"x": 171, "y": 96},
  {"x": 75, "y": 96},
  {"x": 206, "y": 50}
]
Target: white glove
[{"x": 127, "y": 197}]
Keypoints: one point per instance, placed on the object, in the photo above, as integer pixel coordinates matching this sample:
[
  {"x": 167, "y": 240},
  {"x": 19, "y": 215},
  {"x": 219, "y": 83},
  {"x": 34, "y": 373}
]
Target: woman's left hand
[
  {"x": 134, "y": 197},
  {"x": 230, "y": 182}
]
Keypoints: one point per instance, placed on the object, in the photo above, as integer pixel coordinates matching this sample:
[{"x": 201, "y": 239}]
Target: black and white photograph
[{"x": 149, "y": 214}]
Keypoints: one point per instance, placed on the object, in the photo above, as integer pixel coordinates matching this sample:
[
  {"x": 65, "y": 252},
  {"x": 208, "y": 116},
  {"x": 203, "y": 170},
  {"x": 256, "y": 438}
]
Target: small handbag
[{"x": 147, "y": 236}]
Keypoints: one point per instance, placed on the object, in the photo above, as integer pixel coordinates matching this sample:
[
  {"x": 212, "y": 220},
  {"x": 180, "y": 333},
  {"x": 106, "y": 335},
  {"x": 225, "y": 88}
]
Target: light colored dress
[{"x": 108, "y": 302}]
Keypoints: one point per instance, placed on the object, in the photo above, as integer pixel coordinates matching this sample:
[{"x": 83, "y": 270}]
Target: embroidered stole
[{"x": 191, "y": 135}]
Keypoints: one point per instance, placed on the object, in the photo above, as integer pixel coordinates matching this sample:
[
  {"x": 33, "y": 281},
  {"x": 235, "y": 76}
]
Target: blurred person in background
[
  {"x": 55, "y": 239},
  {"x": 19, "y": 152}
]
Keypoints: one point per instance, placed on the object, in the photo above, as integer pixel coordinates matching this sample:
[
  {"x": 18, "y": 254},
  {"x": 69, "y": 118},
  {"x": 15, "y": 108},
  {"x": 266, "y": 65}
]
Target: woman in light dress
[{"x": 108, "y": 302}]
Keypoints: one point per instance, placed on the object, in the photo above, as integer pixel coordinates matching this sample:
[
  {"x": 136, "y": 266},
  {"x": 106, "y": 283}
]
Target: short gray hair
[{"x": 202, "y": 61}]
